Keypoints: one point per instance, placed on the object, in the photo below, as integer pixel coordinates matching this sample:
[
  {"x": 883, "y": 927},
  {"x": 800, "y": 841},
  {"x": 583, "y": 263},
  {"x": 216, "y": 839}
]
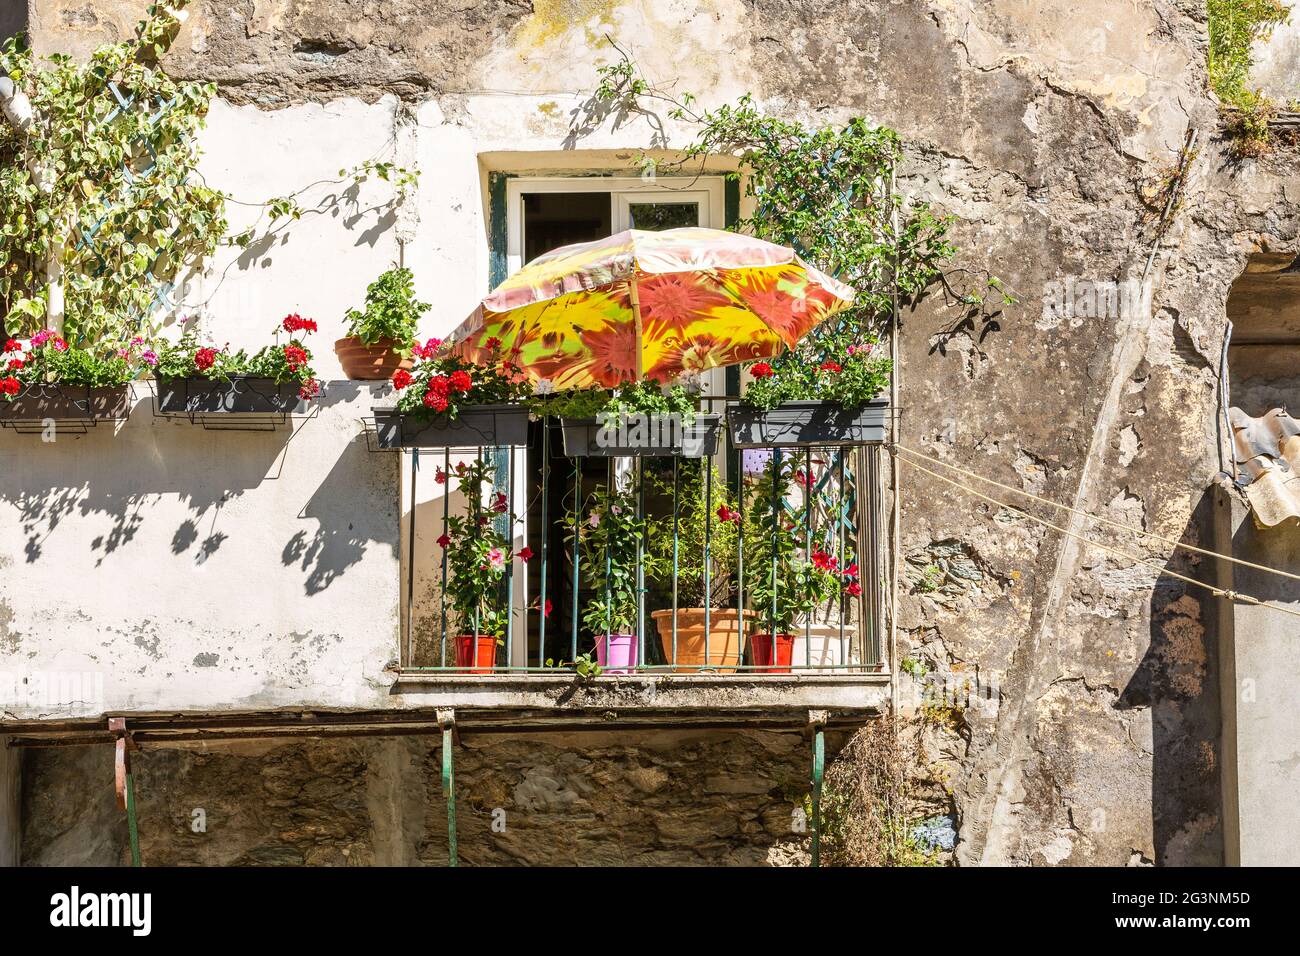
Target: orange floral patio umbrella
[{"x": 648, "y": 305}]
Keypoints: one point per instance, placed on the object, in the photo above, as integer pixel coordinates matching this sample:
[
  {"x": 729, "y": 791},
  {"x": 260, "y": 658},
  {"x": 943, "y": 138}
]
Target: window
[{"x": 545, "y": 213}]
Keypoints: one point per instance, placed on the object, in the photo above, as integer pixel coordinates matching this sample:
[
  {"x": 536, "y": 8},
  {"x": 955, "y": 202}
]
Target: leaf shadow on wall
[
  {"x": 126, "y": 472},
  {"x": 355, "y": 506}
]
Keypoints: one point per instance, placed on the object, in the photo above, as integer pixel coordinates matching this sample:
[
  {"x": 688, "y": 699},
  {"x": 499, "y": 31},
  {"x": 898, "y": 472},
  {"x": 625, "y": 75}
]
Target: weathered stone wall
[
  {"x": 1051, "y": 130},
  {"x": 578, "y": 799}
]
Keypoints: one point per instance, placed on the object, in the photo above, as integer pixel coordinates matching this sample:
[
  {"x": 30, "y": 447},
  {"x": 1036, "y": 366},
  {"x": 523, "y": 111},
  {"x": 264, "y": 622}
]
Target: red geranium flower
[
  {"x": 525, "y": 554},
  {"x": 440, "y": 385},
  {"x": 435, "y": 401},
  {"x": 296, "y": 323},
  {"x": 309, "y": 389},
  {"x": 761, "y": 370},
  {"x": 10, "y": 385},
  {"x": 205, "y": 358},
  {"x": 15, "y": 364},
  {"x": 830, "y": 367},
  {"x": 294, "y": 357},
  {"x": 13, "y": 345},
  {"x": 460, "y": 381},
  {"x": 401, "y": 379}
]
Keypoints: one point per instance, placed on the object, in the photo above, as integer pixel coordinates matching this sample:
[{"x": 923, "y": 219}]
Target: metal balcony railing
[{"x": 754, "y": 529}]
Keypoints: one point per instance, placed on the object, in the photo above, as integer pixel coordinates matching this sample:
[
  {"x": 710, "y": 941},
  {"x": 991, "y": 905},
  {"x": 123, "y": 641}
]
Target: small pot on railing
[
  {"x": 476, "y": 653},
  {"x": 760, "y": 652},
  {"x": 370, "y": 363},
  {"x": 616, "y": 653},
  {"x": 724, "y": 639}
]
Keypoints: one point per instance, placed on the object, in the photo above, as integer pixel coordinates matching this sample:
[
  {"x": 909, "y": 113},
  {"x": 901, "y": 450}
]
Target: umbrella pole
[{"x": 636, "y": 327}]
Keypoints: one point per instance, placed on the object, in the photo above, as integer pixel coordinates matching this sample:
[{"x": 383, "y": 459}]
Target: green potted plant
[
  {"x": 447, "y": 402},
  {"x": 639, "y": 419},
  {"x": 822, "y": 393},
  {"x": 789, "y": 577},
  {"x": 701, "y": 627},
  {"x": 379, "y": 338},
  {"x": 479, "y": 558},
  {"x": 609, "y": 534},
  {"x": 50, "y": 379},
  {"x": 200, "y": 379}
]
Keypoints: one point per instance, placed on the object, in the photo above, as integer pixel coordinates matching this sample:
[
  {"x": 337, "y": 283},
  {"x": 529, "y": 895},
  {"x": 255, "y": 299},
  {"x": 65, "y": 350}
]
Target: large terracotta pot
[
  {"x": 369, "y": 362},
  {"x": 724, "y": 638},
  {"x": 476, "y": 653}
]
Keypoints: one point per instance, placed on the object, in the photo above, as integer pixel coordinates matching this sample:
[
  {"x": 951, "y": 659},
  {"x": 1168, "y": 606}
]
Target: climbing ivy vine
[
  {"x": 102, "y": 207},
  {"x": 827, "y": 192}
]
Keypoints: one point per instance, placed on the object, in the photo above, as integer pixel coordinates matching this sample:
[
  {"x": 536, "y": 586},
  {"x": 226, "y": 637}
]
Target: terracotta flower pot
[
  {"x": 369, "y": 362},
  {"x": 760, "y": 652},
  {"x": 476, "y": 653},
  {"x": 724, "y": 638}
]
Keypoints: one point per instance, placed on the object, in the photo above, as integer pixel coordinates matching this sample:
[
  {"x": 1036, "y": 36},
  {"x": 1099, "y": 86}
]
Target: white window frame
[{"x": 708, "y": 191}]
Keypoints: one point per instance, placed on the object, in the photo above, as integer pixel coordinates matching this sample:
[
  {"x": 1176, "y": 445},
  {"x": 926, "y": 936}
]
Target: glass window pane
[
  {"x": 655, "y": 216},
  {"x": 552, "y": 220}
]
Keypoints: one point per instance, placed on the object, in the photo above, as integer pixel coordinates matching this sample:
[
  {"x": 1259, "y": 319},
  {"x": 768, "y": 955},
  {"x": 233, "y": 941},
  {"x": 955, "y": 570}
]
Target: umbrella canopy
[{"x": 648, "y": 305}]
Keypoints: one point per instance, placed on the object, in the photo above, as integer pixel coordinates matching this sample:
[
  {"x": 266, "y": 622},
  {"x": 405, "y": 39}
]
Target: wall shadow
[{"x": 1178, "y": 681}]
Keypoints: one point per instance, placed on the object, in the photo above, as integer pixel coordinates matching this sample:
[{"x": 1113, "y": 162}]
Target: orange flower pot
[
  {"x": 369, "y": 362},
  {"x": 476, "y": 653},
  {"x": 724, "y": 639}
]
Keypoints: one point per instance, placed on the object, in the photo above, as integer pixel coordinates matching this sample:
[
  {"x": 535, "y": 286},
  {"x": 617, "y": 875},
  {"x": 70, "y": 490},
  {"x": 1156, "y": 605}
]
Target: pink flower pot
[{"x": 619, "y": 656}]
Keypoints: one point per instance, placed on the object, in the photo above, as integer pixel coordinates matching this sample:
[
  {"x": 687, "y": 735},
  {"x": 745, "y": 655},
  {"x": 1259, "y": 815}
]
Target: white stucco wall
[{"x": 157, "y": 565}]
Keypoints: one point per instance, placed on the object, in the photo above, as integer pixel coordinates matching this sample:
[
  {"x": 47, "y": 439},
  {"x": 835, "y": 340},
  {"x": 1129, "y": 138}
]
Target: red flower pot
[
  {"x": 760, "y": 650},
  {"x": 369, "y": 362},
  {"x": 476, "y": 653}
]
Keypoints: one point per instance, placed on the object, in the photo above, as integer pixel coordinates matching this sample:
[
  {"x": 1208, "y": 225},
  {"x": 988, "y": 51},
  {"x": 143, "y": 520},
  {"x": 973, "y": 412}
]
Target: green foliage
[
  {"x": 632, "y": 399},
  {"x": 284, "y": 362},
  {"x": 108, "y": 192},
  {"x": 609, "y": 533},
  {"x": 774, "y": 537},
  {"x": 826, "y": 192},
  {"x": 50, "y": 360},
  {"x": 852, "y": 376},
  {"x": 1235, "y": 26},
  {"x": 443, "y": 384},
  {"x": 703, "y": 508},
  {"x": 478, "y": 553},
  {"x": 392, "y": 311}
]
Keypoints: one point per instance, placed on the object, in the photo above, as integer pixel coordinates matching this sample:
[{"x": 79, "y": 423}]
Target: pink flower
[
  {"x": 593, "y": 519},
  {"x": 41, "y": 337},
  {"x": 496, "y": 559},
  {"x": 60, "y": 345},
  {"x": 149, "y": 357}
]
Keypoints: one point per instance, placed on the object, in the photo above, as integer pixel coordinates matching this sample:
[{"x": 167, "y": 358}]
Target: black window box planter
[
  {"x": 809, "y": 425},
  {"x": 583, "y": 439},
  {"x": 81, "y": 403},
  {"x": 240, "y": 395},
  {"x": 477, "y": 426}
]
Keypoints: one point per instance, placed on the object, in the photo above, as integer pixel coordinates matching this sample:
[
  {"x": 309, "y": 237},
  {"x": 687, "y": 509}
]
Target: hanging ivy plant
[
  {"x": 829, "y": 194},
  {"x": 99, "y": 199},
  {"x": 102, "y": 208}
]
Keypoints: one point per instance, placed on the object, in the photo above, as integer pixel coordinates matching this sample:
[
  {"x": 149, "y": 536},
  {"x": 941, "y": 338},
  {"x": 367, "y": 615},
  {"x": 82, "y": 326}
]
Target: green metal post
[
  {"x": 449, "y": 794},
  {"x": 819, "y": 767},
  {"x": 546, "y": 516},
  {"x": 131, "y": 826}
]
